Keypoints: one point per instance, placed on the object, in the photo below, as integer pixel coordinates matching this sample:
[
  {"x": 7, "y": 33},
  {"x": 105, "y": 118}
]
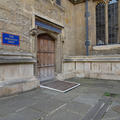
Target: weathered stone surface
[
  {"x": 16, "y": 78},
  {"x": 18, "y": 17},
  {"x": 13, "y": 88},
  {"x": 100, "y": 67},
  {"x": 46, "y": 104}
]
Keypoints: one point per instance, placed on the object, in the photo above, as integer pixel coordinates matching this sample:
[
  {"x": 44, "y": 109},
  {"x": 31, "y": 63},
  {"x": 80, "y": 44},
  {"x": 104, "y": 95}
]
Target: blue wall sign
[
  {"x": 10, "y": 39},
  {"x": 47, "y": 26}
]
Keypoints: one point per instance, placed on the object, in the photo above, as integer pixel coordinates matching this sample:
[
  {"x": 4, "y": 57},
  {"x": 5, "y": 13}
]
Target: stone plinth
[
  {"x": 101, "y": 67},
  {"x": 16, "y": 74}
]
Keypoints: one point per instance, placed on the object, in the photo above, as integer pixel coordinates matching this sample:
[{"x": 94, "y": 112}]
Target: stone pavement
[{"x": 44, "y": 104}]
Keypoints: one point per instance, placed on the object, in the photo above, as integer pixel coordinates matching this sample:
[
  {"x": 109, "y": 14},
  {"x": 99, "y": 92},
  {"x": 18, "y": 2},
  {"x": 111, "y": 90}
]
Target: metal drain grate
[{"x": 60, "y": 86}]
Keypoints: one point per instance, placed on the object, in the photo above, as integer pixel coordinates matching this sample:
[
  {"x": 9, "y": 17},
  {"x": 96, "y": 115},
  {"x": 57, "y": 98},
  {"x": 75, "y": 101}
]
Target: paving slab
[
  {"x": 25, "y": 114},
  {"x": 66, "y": 97},
  {"x": 111, "y": 115},
  {"x": 47, "y": 105},
  {"x": 78, "y": 108},
  {"x": 15, "y": 104},
  {"x": 44, "y": 104},
  {"x": 63, "y": 115},
  {"x": 87, "y": 99}
]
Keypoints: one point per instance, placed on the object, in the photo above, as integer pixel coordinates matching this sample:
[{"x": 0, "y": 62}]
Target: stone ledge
[
  {"x": 92, "y": 59},
  {"x": 4, "y": 53},
  {"x": 107, "y": 47},
  {"x": 14, "y": 60}
]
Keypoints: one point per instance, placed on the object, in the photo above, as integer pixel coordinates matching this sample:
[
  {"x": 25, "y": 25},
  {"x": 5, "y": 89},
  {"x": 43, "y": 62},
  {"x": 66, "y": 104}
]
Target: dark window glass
[
  {"x": 100, "y": 24},
  {"x": 58, "y": 2},
  {"x": 113, "y": 21}
]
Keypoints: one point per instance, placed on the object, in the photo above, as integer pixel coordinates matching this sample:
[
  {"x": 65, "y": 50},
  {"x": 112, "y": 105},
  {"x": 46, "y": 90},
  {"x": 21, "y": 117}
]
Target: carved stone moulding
[
  {"x": 77, "y": 1},
  {"x": 80, "y": 1},
  {"x": 104, "y": 1}
]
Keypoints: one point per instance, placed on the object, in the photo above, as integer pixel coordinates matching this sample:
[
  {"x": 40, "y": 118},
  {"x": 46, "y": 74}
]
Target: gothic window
[
  {"x": 100, "y": 24},
  {"x": 58, "y": 2},
  {"x": 113, "y": 22},
  {"x": 107, "y": 22}
]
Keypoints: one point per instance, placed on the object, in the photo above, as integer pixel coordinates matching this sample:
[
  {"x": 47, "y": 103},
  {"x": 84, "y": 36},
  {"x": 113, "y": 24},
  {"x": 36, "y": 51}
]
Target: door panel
[{"x": 46, "y": 57}]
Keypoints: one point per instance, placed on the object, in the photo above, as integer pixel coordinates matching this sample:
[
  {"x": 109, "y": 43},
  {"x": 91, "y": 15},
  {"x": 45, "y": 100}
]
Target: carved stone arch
[
  {"x": 47, "y": 34},
  {"x": 101, "y": 1},
  {"x": 53, "y": 35}
]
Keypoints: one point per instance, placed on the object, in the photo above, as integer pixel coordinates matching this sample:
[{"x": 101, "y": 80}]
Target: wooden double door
[{"x": 45, "y": 57}]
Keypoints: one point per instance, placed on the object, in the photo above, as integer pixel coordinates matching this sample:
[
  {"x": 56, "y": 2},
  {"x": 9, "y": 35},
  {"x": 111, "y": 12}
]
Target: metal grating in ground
[
  {"x": 98, "y": 111},
  {"x": 60, "y": 86}
]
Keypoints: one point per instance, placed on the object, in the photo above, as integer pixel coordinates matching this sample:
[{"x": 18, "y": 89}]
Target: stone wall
[
  {"x": 13, "y": 20},
  {"x": 69, "y": 45},
  {"x": 17, "y": 63},
  {"x": 80, "y": 33},
  {"x": 99, "y": 67},
  {"x": 80, "y": 30},
  {"x": 16, "y": 17},
  {"x": 16, "y": 78}
]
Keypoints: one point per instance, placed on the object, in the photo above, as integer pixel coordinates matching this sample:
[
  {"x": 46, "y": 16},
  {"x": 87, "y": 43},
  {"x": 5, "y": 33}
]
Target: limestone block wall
[
  {"x": 17, "y": 62},
  {"x": 14, "y": 20},
  {"x": 16, "y": 78},
  {"x": 63, "y": 15},
  {"x": 80, "y": 30},
  {"x": 12, "y": 72},
  {"x": 99, "y": 67},
  {"x": 80, "y": 33},
  {"x": 18, "y": 17},
  {"x": 69, "y": 45}
]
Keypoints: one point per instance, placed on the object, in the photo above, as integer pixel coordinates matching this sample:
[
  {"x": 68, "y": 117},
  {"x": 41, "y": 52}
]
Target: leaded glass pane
[
  {"x": 100, "y": 24},
  {"x": 113, "y": 21}
]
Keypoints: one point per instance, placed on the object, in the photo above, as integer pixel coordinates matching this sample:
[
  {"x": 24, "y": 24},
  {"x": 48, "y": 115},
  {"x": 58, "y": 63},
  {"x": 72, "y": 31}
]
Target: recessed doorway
[{"x": 45, "y": 57}]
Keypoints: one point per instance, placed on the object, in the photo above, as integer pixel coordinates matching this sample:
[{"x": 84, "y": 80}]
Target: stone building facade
[
  {"x": 50, "y": 31},
  {"x": 104, "y": 49},
  {"x": 18, "y": 64}
]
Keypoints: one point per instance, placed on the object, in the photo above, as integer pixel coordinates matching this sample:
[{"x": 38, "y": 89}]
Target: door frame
[
  {"x": 58, "y": 49},
  {"x": 40, "y": 35}
]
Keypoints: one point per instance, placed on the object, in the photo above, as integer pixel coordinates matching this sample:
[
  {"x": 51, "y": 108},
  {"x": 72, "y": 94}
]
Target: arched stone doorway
[{"x": 45, "y": 57}]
